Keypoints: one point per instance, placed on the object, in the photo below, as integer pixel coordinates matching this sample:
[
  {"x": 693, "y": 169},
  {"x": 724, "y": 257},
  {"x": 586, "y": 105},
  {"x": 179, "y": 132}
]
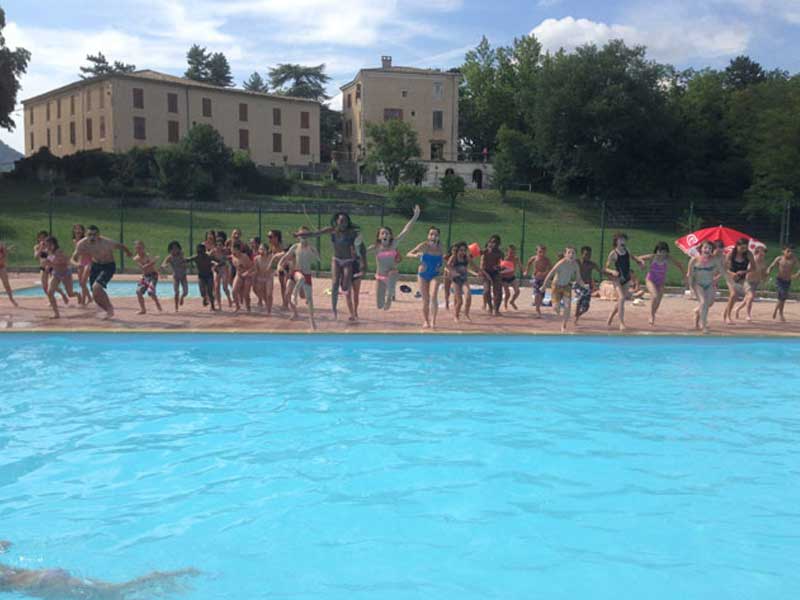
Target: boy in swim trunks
[
  {"x": 304, "y": 256},
  {"x": 563, "y": 273},
  {"x": 4, "y": 250},
  {"x": 205, "y": 274},
  {"x": 539, "y": 264},
  {"x": 149, "y": 281},
  {"x": 101, "y": 251},
  {"x": 753, "y": 280},
  {"x": 786, "y": 263},
  {"x": 180, "y": 282}
]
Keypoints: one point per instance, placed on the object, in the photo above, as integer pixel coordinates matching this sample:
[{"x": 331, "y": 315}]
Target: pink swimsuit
[{"x": 657, "y": 273}]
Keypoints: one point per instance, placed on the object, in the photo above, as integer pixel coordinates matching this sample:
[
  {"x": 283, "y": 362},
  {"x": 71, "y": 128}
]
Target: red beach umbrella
[{"x": 690, "y": 243}]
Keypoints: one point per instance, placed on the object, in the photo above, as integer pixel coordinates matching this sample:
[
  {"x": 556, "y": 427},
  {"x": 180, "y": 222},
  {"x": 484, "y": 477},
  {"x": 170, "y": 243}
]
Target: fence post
[
  {"x": 259, "y": 220},
  {"x": 603, "y": 232},
  {"x": 450, "y": 221},
  {"x": 121, "y": 231},
  {"x": 383, "y": 209},
  {"x": 522, "y": 240},
  {"x": 319, "y": 240},
  {"x": 191, "y": 224},
  {"x": 788, "y": 221},
  {"x": 50, "y": 212},
  {"x": 691, "y": 216}
]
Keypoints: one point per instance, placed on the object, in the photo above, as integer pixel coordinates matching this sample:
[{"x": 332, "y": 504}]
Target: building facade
[
  {"x": 425, "y": 98},
  {"x": 118, "y": 112}
]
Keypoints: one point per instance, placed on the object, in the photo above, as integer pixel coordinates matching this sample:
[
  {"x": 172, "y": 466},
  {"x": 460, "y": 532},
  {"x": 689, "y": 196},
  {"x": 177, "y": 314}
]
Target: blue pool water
[
  {"x": 406, "y": 467},
  {"x": 119, "y": 289}
]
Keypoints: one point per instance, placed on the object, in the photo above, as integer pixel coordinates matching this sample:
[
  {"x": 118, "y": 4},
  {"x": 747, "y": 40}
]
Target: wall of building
[{"x": 476, "y": 175}]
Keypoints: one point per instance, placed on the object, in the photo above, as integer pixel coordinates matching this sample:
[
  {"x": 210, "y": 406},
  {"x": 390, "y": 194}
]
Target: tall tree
[
  {"x": 98, "y": 65},
  {"x": 198, "y": 58},
  {"x": 391, "y": 147},
  {"x": 13, "y": 63},
  {"x": 300, "y": 81},
  {"x": 219, "y": 70},
  {"x": 255, "y": 83},
  {"x": 742, "y": 72}
]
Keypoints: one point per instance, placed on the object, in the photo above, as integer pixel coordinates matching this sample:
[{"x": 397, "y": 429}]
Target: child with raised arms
[
  {"x": 657, "y": 275},
  {"x": 430, "y": 258},
  {"x": 563, "y": 273},
  {"x": 149, "y": 280},
  {"x": 303, "y": 256},
  {"x": 785, "y": 263},
  {"x": 177, "y": 262},
  {"x": 387, "y": 257},
  {"x": 538, "y": 266}
]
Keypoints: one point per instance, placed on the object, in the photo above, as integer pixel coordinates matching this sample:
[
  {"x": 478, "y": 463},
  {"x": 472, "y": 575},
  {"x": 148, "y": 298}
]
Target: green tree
[
  {"x": 99, "y": 65},
  {"x": 13, "y": 64},
  {"x": 514, "y": 160},
  {"x": 256, "y": 83},
  {"x": 452, "y": 186},
  {"x": 208, "y": 151},
  {"x": 176, "y": 171},
  {"x": 391, "y": 147},
  {"x": 742, "y": 72},
  {"x": 198, "y": 60},
  {"x": 219, "y": 70},
  {"x": 300, "y": 81}
]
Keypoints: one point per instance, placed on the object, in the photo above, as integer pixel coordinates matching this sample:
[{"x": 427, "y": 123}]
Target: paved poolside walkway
[{"x": 674, "y": 317}]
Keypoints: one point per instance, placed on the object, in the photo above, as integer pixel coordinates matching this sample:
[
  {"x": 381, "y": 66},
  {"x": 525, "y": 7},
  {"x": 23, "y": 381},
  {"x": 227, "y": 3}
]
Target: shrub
[
  {"x": 89, "y": 163},
  {"x": 175, "y": 171},
  {"x": 404, "y": 197}
]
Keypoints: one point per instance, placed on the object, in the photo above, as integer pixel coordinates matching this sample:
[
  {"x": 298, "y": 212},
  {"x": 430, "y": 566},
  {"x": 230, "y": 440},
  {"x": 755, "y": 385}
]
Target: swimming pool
[
  {"x": 119, "y": 289},
  {"x": 406, "y": 467}
]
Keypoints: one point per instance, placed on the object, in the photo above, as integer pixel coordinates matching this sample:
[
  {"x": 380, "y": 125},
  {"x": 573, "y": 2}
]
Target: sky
[{"x": 347, "y": 35}]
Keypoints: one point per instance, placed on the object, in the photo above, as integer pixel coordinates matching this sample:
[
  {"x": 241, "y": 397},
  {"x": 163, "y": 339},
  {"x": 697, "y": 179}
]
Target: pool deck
[{"x": 674, "y": 317}]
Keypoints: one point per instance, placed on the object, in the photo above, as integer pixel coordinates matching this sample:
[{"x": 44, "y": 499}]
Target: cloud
[
  {"x": 785, "y": 10},
  {"x": 666, "y": 40}
]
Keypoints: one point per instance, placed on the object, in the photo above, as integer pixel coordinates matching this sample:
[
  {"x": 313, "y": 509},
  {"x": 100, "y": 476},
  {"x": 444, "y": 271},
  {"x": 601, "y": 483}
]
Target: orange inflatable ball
[
  {"x": 475, "y": 249},
  {"x": 507, "y": 265}
]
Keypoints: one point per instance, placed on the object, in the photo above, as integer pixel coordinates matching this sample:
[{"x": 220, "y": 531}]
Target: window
[
  {"x": 172, "y": 103},
  {"x": 48, "y": 137},
  {"x": 206, "y": 107},
  {"x": 276, "y": 116},
  {"x": 72, "y": 133},
  {"x": 438, "y": 90},
  {"x": 173, "y": 132},
  {"x": 348, "y": 128},
  {"x": 392, "y": 113},
  {"x": 438, "y": 119},
  {"x": 243, "y": 111},
  {"x": 31, "y": 114},
  {"x": 277, "y": 142},
  {"x": 139, "y": 131},
  {"x": 358, "y": 92},
  {"x": 31, "y": 138},
  {"x": 102, "y": 127},
  {"x": 88, "y": 99},
  {"x": 437, "y": 151},
  {"x": 349, "y": 101},
  {"x": 305, "y": 120},
  {"x": 305, "y": 145},
  {"x": 58, "y": 108},
  {"x": 47, "y": 113},
  {"x": 404, "y": 93},
  {"x": 72, "y": 105},
  {"x": 102, "y": 96},
  {"x": 88, "y": 130},
  {"x": 138, "y": 98},
  {"x": 244, "y": 139},
  {"x": 58, "y": 135}
]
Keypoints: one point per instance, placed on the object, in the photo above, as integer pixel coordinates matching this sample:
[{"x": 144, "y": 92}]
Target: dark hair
[
  {"x": 237, "y": 246},
  {"x": 434, "y": 228},
  {"x": 81, "y": 228},
  {"x": 255, "y": 240},
  {"x": 43, "y": 233},
  {"x": 201, "y": 248},
  {"x": 223, "y": 235},
  {"x": 742, "y": 241},
  {"x": 174, "y": 244},
  {"x": 220, "y": 240},
  {"x": 52, "y": 240},
  {"x": 93, "y": 228},
  {"x": 618, "y": 236},
  {"x": 718, "y": 244},
  {"x": 788, "y": 247},
  {"x": 335, "y": 219},
  {"x": 586, "y": 249},
  {"x": 378, "y": 234},
  {"x": 661, "y": 246},
  {"x": 709, "y": 243},
  {"x": 211, "y": 233},
  {"x": 276, "y": 233}
]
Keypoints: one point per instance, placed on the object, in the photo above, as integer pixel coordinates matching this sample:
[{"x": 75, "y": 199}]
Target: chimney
[{"x": 386, "y": 62}]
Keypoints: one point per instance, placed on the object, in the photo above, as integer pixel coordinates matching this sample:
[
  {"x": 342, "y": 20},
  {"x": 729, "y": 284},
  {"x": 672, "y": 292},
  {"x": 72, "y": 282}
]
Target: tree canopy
[
  {"x": 392, "y": 148},
  {"x": 13, "y": 64},
  {"x": 255, "y": 83},
  {"x": 208, "y": 67},
  {"x": 300, "y": 81},
  {"x": 99, "y": 65}
]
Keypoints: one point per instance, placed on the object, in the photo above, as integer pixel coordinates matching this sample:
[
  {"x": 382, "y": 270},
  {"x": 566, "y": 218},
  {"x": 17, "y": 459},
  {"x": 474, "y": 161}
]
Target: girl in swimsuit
[
  {"x": 490, "y": 268},
  {"x": 41, "y": 254},
  {"x": 84, "y": 268},
  {"x": 60, "y": 273},
  {"x": 737, "y": 267},
  {"x": 302, "y": 256},
  {"x": 386, "y": 260},
  {"x": 211, "y": 240},
  {"x": 459, "y": 267},
  {"x": 275, "y": 241},
  {"x": 563, "y": 273},
  {"x": 262, "y": 281},
  {"x": 220, "y": 256},
  {"x": 430, "y": 258},
  {"x": 618, "y": 266},
  {"x": 702, "y": 273},
  {"x": 508, "y": 276},
  {"x": 4, "y": 250},
  {"x": 177, "y": 262},
  {"x": 243, "y": 281},
  {"x": 657, "y": 275}
]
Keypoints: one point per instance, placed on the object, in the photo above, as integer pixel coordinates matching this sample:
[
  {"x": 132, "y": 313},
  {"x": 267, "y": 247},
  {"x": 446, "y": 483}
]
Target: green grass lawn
[{"x": 479, "y": 214}]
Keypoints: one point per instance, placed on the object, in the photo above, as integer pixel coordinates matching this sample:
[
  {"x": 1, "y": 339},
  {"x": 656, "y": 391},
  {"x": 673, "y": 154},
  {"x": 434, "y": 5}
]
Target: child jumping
[
  {"x": 387, "y": 258},
  {"x": 657, "y": 275},
  {"x": 430, "y": 258},
  {"x": 618, "y": 266},
  {"x": 538, "y": 266},
  {"x": 786, "y": 263},
  {"x": 460, "y": 266},
  {"x": 177, "y": 262},
  {"x": 753, "y": 280},
  {"x": 303, "y": 255},
  {"x": 205, "y": 274},
  {"x": 563, "y": 273},
  {"x": 490, "y": 269},
  {"x": 149, "y": 281},
  {"x": 702, "y": 273},
  {"x": 60, "y": 273},
  {"x": 508, "y": 277},
  {"x": 4, "y": 250}
]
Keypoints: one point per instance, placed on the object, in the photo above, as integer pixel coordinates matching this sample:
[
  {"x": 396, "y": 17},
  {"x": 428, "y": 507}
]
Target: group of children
[{"x": 234, "y": 269}]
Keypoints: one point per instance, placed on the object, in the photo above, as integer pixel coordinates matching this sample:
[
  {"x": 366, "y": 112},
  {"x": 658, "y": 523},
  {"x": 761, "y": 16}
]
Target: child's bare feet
[
  {"x": 697, "y": 320},
  {"x": 142, "y": 312},
  {"x": 514, "y": 304}
]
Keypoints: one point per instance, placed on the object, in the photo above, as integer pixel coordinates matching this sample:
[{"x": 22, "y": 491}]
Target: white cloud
[
  {"x": 786, "y": 10},
  {"x": 548, "y": 3},
  {"x": 674, "y": 41}
]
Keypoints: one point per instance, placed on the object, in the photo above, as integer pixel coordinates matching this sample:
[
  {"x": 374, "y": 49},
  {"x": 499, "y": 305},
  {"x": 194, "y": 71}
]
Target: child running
[
  {"x": 41, "y": 254},
  {"x": 303, "y": 255},
  {"x": 508, "y": 277},
  {"x": 205, "y": 274},
  {"x": 618, "y": 266},
  {"x": 539, "y": 266},
  {"x": 587, "y": 266},
  {"x": 490, "y": 269},
  {"x": 4, "y": 250},
  {"x": 786, "y": 263},
  {"x": 657, "y": 275},
  {"x": 243, "y": 281},
  {"x": 60, "y": 274},
  {"x": 703, "y": 271},
  {"x": 563, "y": 273},
  {"x": 737, "y": 268},
  {"x": 149, "y": 281},
  {"x": 430, "y": 258},
  {"x": 387, "y": 258},
  {"x": 263, "y": 280},
  {"x": 460, "y": 266},
  {"x": 753, "y": 279},
  {"x": 84, "y": 267},
  {"x": 177, "y": 262},
  {"x": 221, "y": 271}
]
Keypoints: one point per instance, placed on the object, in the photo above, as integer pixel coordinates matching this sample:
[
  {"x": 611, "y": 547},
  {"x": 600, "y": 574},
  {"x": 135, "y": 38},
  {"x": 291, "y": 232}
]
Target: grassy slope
[{"x": 554, "y": 222}]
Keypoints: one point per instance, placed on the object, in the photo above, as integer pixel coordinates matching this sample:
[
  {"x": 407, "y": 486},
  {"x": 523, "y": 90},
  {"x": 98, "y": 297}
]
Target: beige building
[
  {"x": 118, "y": 112},
  {"x": 425, "y": 98}
]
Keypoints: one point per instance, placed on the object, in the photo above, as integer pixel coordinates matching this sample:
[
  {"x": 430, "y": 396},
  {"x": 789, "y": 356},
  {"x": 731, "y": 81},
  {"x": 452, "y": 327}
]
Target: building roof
[
  {"x": 403, "y": 71},
  {"x": 150, "y": 75}
]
